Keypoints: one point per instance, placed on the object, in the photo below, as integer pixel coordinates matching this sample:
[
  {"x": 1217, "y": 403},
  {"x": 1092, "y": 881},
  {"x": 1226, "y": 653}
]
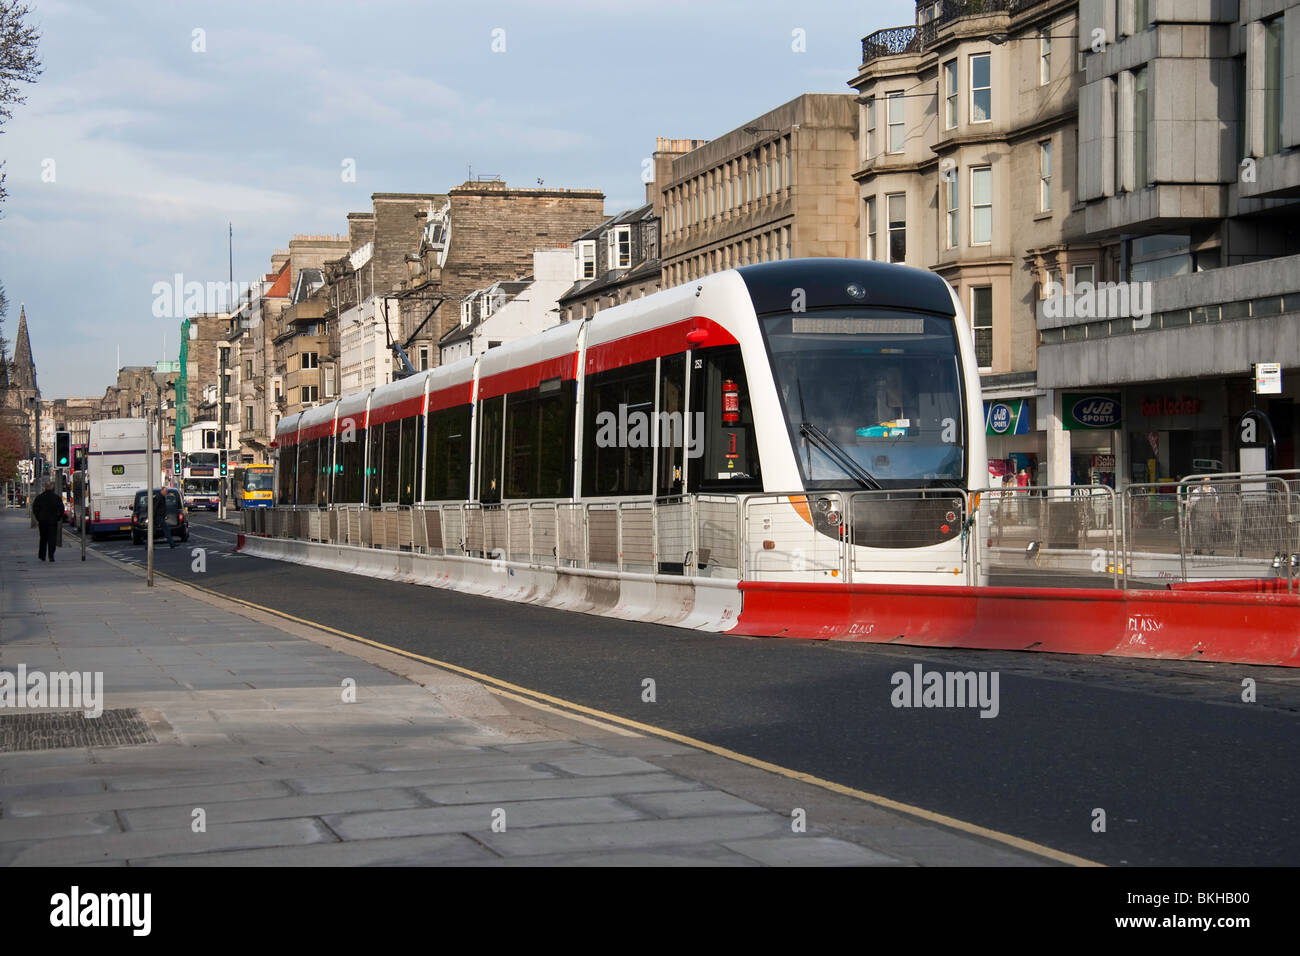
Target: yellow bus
[{"x": 253, "y": 486}]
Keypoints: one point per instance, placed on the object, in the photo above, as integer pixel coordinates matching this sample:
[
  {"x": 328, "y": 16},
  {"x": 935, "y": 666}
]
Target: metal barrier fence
[
  {"x": 1076, "y": 526},
  {"x": 1229, "y": 526}
]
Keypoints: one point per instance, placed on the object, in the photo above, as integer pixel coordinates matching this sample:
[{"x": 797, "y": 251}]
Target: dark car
[{"x": 175, "y": 517}]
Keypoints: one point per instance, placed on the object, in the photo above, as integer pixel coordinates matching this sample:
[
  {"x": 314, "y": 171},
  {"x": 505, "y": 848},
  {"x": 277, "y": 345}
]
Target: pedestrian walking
[
  {"x": 48, "y": 511},
  {"x": 160, "y": 515},
  {"x": 1204, "y": 507}
]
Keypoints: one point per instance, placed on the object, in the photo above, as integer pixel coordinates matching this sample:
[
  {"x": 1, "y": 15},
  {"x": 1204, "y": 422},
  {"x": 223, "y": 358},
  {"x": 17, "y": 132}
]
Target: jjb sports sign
[
  {"x": 1007, "y": 417},
  {"x": 1090, "y": 411}
]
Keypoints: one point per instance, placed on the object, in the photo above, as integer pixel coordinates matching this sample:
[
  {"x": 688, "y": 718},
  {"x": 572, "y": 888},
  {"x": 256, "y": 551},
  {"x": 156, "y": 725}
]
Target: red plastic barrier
[
  {"x": 1193, "y": 625},
  {"x": 1249, "y": 585},
  {"x": 239, "y": 542}
]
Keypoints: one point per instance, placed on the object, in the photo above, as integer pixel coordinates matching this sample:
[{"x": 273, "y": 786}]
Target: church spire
[{"x": 23, "y": 369}]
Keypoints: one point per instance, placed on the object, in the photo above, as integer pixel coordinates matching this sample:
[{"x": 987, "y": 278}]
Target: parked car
[{"x": 175, "y": 517}]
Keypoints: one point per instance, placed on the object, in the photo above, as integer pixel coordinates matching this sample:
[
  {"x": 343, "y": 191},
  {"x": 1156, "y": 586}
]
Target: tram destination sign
[{"x": 858, "y": 326}]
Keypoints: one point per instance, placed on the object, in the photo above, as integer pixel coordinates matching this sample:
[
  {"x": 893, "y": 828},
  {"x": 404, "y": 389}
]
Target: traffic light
[
  {"x": 223, "y": 462},
  {"x": 176, "y": 464},
  {"x": 62, "y": 449}
]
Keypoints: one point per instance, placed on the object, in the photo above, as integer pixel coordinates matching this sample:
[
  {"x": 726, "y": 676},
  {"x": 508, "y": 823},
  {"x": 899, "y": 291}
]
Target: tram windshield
[{"x": 871, "y": 398}]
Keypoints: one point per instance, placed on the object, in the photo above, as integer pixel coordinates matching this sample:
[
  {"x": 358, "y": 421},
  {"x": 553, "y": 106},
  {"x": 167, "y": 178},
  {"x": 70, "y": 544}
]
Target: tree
[
  {"x": 13, "y": 446},
  {"x": 18, "y": 62}
]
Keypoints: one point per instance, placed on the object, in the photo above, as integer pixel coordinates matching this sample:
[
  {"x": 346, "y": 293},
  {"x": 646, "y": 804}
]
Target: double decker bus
[
  {"x": 201, "y": 482},
  {"x": 253, "y": 486}
]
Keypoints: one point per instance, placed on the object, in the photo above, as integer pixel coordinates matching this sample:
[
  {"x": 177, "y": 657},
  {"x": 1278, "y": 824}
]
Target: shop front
[
  {"x": 1015, "y": 446},
  {"x": 1176, "y": 429},
  {"x": 1094, "y": 421}
]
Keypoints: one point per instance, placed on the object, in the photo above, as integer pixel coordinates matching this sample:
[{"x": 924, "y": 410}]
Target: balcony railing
[{"x": 914, "y": 39}]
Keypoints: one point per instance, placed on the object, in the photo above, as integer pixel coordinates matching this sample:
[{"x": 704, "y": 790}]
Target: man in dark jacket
[
  {"x": 160, "y": 515},
  {"x": 48, "y": 510}
]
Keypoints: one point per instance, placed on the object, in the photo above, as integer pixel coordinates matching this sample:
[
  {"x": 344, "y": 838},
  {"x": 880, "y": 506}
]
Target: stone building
[
  {"x": 1112, "y": 186},
  {"x": 511, "y": 309},
  {"x": 966, "y": 165},
  {"x": 416, "y": 256},
  {"x": 479, "y": 233},
  {"x": 136, "y": 392},
  {"x": 777, "y": 188},
  {"x": 616, "y": 261}
]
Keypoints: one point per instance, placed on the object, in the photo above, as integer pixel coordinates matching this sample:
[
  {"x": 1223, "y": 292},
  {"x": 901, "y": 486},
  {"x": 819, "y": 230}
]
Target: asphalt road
[{"x": 1185, "y": 772}]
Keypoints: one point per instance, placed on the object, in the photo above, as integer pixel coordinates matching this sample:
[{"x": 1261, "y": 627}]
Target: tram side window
[
  {"x": 350, "y": 453},
  {"x": 410, "y": 455},
  {"x": 307, "y": 456},
  {"x": 729, "y": 457},
  {"x": 374, "y": 464},
  {"x": 539, "y": 442},
  {"x": 617, "y": 457},
  {"x": 392, "y": 462},
  {"x": 285, "y": 475},
  {"x": 447, "y": 454},
  {"x": 489, "y": 450}
]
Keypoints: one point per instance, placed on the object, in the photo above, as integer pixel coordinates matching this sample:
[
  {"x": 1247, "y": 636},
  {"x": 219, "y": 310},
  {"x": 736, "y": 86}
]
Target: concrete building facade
[
  {"x": 1189, "y": 179},
  {"x": 777, "y": 188}
]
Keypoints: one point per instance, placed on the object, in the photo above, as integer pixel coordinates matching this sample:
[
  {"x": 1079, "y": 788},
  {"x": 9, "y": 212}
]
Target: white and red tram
[{"x": 847, "y": 391}]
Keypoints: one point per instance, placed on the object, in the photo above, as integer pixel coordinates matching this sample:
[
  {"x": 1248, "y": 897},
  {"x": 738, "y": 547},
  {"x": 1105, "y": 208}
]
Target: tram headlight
[
  {"x": 823, "y": 505},
  {"x": 833, "y": 517}
]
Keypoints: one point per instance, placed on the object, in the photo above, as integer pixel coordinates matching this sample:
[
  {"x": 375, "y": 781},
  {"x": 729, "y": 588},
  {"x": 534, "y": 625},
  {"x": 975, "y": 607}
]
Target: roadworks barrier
[{"x": 1251, "y": 623}]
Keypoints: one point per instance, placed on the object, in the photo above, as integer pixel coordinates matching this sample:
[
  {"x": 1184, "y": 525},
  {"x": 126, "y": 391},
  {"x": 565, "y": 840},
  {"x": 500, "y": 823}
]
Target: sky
[{"x": 154, "y": 124}]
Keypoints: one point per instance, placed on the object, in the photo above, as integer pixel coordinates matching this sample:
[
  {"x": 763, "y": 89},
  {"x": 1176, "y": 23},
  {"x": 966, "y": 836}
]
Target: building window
[
  {"x": 1081, "y": 274},
  {"x": 249, "y": 424},
  {"x": 620, "y": 247},
  {"x": 310, "y": 393},
  {"x": 981, "y": 321},
  {"x": 981, "y": 89},
  {"x": 1159, "y": 257},
  {"x": 871, "y": 127},
  {"x": 329, "y": 381},
  {"x": 1141, "y": 175},
  {"x": 981, "y": 205},
  {"x": 950, "y": 94},
  {"x": 1141, "y": 15},
  {"x": 584, "y": 259},
  {"x": 1044, "y": 56},
  {"x": 1272, "y": 86},
  {"x": 871, "y": 227},
  {"x": 248, "y": 368},
  {"x": 1045, "y": 176},
  {"x": 953, "y": 192},
  {"x": 896, "y": 208},
  {"x": 423, "y": 354},
  {"x": 894, "y": 118}
]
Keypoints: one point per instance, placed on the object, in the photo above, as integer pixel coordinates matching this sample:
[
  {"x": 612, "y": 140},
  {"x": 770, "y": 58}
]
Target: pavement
[{"x": 230, "y": 736}]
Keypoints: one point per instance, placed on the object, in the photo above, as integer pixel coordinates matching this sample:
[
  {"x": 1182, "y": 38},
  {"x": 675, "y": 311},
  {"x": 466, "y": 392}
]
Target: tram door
[
  {"x": 673, "y": 425},
  {"x": 675, "y": 438}
]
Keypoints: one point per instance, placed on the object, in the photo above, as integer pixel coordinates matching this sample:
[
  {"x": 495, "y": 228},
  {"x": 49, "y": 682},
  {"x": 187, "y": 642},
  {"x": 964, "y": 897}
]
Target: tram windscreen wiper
[{"x": 836, "y": 453}]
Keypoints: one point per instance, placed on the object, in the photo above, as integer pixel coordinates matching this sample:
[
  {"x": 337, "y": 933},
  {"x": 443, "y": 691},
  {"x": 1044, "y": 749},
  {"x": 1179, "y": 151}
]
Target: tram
[{"x": 840, "y": 395}]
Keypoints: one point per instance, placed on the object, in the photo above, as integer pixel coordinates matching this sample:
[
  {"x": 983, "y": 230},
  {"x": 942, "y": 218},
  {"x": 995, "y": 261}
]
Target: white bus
[{"x": 116, "y": 470}]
